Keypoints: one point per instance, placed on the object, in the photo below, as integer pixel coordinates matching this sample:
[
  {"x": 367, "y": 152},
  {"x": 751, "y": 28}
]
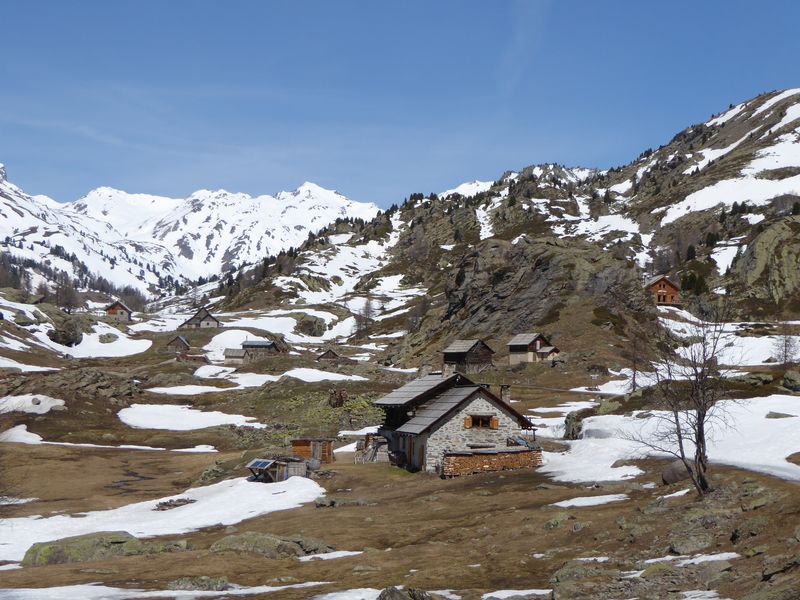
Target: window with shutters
[{"x": 481, "y": 421}]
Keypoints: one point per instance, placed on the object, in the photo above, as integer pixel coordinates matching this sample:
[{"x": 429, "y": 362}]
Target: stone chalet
[
  {"x": 528, "y": 348},
  {"x": 202, "y": 319},
  {"x": 466, "y": 356},
  {"x": 451, "y": 426},
  {"x": 119, "y": 312},
  {"x": 179, "y": 344},
  {"x": 665, "y": 292}
]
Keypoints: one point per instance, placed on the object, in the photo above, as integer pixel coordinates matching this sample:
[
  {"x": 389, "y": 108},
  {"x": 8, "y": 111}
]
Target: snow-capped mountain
[{"x": 138, "y": 239}]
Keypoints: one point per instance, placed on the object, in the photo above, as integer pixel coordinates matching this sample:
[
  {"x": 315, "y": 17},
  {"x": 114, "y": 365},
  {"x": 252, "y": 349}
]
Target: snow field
[
  {"x": 583, "y": 501},
  {"x": 21, "y": 435},
  {"x": 174, "y": 417},
  {"x": 225, "y": 503},
  {"x": 37, "y": 404},
  {"x": 749, "y": 441}
]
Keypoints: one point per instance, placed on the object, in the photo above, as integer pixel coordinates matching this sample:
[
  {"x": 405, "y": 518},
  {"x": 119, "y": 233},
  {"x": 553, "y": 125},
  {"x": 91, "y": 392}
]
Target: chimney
[
  {"x": 447, "y": 370},
  {"x": 505, "y": 393}
]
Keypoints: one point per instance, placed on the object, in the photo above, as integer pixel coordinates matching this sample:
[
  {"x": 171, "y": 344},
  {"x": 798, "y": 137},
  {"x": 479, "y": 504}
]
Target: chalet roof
[
  {"x": 436, "y": 408},
  {"x": 547, "y": 349},
  {"x": 443, "y": 404},
  {"x": 424, "y": 386},
  {"x": 201, "y": 315},
  {"x": 234, "y": 352},
  {"x": 523, "y": 339},
  {"x": 181, "y": 339},
  {"x": 657, "y": 278},
  {"x": 118, "y": 303},
  {"x": 328, "y": 354},
  {"x": 461, "y": 346},
  {"x": 258, "y": 344}
]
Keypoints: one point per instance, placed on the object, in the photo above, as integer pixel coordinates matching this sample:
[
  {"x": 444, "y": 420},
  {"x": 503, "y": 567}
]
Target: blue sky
[{"x": 374, "y": 99}]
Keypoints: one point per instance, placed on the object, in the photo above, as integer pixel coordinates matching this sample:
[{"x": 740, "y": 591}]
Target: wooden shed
[
  {"x": 255, "y": 350},
  {"x": 665, "y": 292},
  {"x": 466, "y": 356},
  {"x": 271, "y": 470},
  {"x": 320, "y": 449}
]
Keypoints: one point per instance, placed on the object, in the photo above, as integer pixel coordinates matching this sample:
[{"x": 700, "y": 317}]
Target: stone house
[
  {"x": 119, "y": 312},
  {"x": 529, "y": 348},
  {"x": 255, "y": 350},
  {"x": 438, "y": 420},
  {"x": 664, "y": 291},
  {"x": 466, "y": 356},
  {"x": 179, "y": 344},
  {"x": 202, "y": 319},
  {"x": 233, "y": 357}
]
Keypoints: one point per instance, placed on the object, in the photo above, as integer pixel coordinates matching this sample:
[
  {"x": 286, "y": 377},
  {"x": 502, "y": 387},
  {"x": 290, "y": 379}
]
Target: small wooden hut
[
  {"x": 119, "y": 312},
  {"x": 466, "y": 356},
  {"x": 320, "y": 449}
]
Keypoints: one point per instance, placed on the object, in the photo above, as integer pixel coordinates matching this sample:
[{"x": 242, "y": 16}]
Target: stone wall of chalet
[{"x": 453, "y": 435}]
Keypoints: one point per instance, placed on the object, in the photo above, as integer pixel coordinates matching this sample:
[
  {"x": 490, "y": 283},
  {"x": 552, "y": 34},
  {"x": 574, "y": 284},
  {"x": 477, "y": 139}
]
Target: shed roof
[
  {"x": 234, "y": 353},
  {"x": 424, "y": 386},
  {"x": 258, "y": 344},
  {"x": 523, "y": 339},
  {"x": 458, "y": 346},
  {"x": 181, "y": 339},
  {"x": 547, "y": 349}
]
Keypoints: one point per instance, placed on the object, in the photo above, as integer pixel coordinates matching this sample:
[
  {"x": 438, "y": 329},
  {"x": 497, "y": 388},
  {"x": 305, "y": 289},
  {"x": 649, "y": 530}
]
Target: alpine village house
[
  {"x": 202, "y": 319},
  {"x": 665, "y": 292},
  {"x": 447, "y": 424},
  {"x": 466, "y": 356},
  {"x": 529, "y": 348},
  {"x": 119, "y": 312}
]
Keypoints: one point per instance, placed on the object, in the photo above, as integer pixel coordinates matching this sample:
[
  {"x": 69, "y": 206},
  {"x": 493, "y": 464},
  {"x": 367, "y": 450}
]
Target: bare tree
[
  {"x": 364, "y": 317},
  {"x": 688, "y": 386},
  {"x": 785, "y": 347}
]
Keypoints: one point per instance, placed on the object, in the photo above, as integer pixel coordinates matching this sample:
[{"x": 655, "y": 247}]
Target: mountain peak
[{"x": 2, "y": 172}]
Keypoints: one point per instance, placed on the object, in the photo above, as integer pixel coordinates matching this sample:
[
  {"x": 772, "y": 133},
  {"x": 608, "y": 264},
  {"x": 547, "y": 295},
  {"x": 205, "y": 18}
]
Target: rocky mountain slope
[
  {"x": 716, "y": 208},
  {"x": 146, "y": 241}
]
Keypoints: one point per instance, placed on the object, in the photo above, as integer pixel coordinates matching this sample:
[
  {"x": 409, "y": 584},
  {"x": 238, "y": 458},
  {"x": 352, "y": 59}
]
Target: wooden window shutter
[
  {"x": 467, "y": 422},
  {"x": 494, "y": 423}
]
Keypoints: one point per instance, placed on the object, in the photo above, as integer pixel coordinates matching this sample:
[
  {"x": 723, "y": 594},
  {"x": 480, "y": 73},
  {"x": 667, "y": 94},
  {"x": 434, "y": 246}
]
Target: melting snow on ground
[
  {"x": 30, "y": 403},
  {"x": 176, "y": 417},
  {"x": 591, "y": 500},
  {"x": 21, "y": 435},
  {"x": 749, "y": 441},
  {"x": 92, "y": 347},
  {"x": 330, "y": 555},
  {"x": 225, "y": 503},
  {"x": 91, "y": 591},
  {"x": 502, "y": 594}
]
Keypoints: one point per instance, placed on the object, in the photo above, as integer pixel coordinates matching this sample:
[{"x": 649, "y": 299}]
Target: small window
[{"x": 482, "y": 421}]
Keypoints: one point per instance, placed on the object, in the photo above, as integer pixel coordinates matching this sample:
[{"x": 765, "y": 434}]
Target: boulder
[
  {"x": 393, "y": 593},
  {"x": 66, "y": 333},
  {"x": 791, "y": 381},
  {"x": 84, "y": 548},
  {"x": 311, "y": 325},
  {"x": 692, "y": 543},
  {"x": 572, "y": 426},
  {"x": 264, "y": 544},
  {"x": 675, "y": 472},
  {"x": 778, "y": 415},
  {"x": 204, "y": 583}
]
